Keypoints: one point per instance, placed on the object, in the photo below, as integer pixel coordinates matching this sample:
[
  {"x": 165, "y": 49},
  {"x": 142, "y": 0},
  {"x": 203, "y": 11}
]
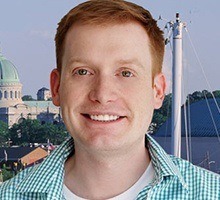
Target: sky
[{"x": 27, "y": 30}]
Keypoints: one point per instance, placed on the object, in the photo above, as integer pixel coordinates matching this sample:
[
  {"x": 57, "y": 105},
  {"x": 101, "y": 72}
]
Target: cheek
[
  {"x": 143, "y": 96},
  {"x": 139, "y": 94},
  {"x": 73, "y": 94},
  {"x": 67, "y": 95},
  {"x": 144, "y": 102}
]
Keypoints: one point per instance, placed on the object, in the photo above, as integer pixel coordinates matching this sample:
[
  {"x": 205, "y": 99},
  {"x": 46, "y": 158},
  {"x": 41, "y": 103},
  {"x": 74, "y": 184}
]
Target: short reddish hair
[{"x": 107, "y": 12}]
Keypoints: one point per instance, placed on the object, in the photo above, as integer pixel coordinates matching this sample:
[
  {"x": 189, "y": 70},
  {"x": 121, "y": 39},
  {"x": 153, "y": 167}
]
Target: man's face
[{"x": 105, "y": 89}]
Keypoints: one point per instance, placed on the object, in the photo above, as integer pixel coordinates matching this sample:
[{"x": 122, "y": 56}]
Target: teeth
[{"x": 104, "y": 118}]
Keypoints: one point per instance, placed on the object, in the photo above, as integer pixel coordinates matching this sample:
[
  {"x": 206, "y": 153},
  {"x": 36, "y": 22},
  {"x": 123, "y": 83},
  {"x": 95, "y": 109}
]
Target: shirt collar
[
  {"x": 162, "y": 162},
  {"x": 50, "y": 173}
]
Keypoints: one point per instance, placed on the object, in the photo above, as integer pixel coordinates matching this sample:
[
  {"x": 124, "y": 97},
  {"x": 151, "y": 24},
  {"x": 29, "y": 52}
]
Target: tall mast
[{"x": 176, "y": 86}]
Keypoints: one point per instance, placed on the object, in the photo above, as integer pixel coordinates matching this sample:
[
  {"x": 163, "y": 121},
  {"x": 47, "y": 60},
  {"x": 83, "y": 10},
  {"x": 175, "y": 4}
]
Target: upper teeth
[{"x": 104, "y": 117}]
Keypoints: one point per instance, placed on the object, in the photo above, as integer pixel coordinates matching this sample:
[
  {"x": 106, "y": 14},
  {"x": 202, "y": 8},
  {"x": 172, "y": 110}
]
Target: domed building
[
  {"x": 10, "y": 86},
  {"x": 12, "y": 108}
]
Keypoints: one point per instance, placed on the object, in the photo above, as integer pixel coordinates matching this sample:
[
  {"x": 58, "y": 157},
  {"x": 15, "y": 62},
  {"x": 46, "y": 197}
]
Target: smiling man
[
  {"x": 108, "y": 81},
  {"x": 107, "y": 97}
]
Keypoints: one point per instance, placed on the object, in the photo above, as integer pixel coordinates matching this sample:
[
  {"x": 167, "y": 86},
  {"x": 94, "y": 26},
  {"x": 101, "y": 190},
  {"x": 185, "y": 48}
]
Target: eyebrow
[
  {"x": 130, "y": 61},
  {"x": 133, "y": 61},
  {"x": 76, "y": 60}
]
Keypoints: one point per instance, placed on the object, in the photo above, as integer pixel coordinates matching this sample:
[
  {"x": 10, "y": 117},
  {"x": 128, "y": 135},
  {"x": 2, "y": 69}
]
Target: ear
[
  {"x": 54, "y": 86},
  {"x": 159, "y": 87}
]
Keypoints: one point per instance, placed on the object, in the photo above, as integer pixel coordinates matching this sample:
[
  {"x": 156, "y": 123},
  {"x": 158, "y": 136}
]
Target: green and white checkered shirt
[{"x": 174, "y": 178}]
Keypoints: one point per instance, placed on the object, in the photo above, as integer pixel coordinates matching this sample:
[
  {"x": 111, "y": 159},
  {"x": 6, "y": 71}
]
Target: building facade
[
  {"x": 13, "y": 109},
  {"x": 43, "y": 94}
]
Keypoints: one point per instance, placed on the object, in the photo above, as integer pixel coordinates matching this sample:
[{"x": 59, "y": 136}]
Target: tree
[
  {"x": 197, "y": 96},
  {"x": 6, "y": 174},
  {"x": 161, "y": 115},
  {"x": 4, "y": 133},
  {"x": 216, "y": 93},
  {"x": 28, "y": 98},
  {"x": 32, "y": 131},
  {"x": 206, "y": 94}
]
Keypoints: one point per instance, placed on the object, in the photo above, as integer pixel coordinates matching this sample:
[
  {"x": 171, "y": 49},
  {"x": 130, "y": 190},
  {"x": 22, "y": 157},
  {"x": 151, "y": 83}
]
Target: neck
[{"x": 90, "y": 175}]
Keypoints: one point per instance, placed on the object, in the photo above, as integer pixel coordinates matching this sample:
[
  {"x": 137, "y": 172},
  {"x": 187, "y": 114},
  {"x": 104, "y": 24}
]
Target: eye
[
  {"x": 82, "y": 72},
  {"x": 127, "y": 73}
]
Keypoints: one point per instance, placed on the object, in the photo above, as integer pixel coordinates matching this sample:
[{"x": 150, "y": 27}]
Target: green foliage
[
  {"x": 216, "y": 93},
  {"x": 28, "y": 98},
  {"x": 32, "y": 131},
  {"x": 4, "y": 134},
  {"x": 161, "y": 115},
  {"x": 6, "y": 174},
  {"x": 197, "y": 96}
]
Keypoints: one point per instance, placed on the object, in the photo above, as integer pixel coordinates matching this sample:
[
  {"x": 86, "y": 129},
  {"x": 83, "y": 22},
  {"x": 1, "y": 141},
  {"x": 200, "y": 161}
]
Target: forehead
[{"x": 114, "y": 41}]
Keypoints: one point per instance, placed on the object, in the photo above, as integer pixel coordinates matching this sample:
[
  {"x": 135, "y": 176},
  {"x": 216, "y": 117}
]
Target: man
[{"x": 107, "y": 82}]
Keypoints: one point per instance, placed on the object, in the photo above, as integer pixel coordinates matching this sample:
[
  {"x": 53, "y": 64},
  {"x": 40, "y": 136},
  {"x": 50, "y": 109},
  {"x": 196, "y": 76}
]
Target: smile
[{"x": 103, "y": 117}]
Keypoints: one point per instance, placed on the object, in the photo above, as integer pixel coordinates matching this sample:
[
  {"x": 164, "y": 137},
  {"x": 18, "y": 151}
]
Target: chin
[{"x": 102, "y": 142}]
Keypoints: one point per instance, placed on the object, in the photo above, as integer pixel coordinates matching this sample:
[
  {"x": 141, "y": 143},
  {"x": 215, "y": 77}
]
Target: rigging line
[
  {"x": 213, "y": 121},
  {"x": 210, "y": 155},
  {"x": 190, "y": 130},
  {"x": 185, "y": 118},
  {"x": 202, "y": 162},
  {"x": 170, "y": 97},
  {"x": 201, "y": 66},
  {"x": 169, "y": 33},
  {"x": 189, "y": 122},
  {"x": 166, "y": 28},
  {"x": 185, "y": 89},
  {"x": 186, "y": 131},
  {"x": 168, "y": 105},
  {"x": 186, "y": 107}
]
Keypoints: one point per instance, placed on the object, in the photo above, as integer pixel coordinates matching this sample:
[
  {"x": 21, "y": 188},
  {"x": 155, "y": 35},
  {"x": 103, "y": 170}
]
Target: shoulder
[
  {"x": 9, "y": 187},
  {"x": 188, "y": 168},
  {"x": 198, "y": 178},
  {"x": 36, "y": 181}
]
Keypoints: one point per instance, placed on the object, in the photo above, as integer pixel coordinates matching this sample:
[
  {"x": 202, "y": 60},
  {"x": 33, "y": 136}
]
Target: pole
[{"x": 176, "y": 87}]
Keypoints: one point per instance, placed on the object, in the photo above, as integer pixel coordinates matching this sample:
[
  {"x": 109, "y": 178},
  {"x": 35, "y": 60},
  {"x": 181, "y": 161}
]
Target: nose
[{"x": 103, "y": 90}]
